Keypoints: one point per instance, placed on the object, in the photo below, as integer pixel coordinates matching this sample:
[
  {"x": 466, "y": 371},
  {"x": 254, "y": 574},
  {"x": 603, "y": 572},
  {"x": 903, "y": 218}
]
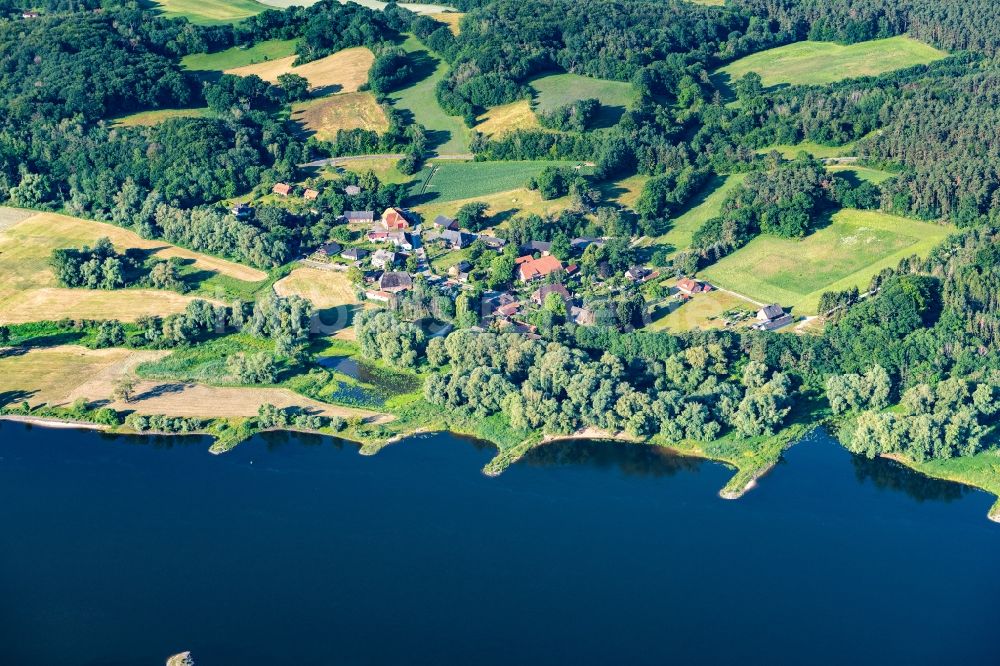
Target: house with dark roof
[
  {"x": 282, "y": 189},
  {"x": 540, "y": 294},
  {"x": 460, "y": 271},
  {"x": 456, "y": 240},
  {"x": 772, "y": 317},
  {"x": 354, "y": 253},
  {"x": 329, "y": 249},
  {"x": 359, "y": 216},
  {"x": 443, "y": 223},
  {"x": 638, "y": 273},
  {"x": 528, "y": 268},
  {"x": 493, "y": 242},
  {"x": 393, "y": 282},
  {"x": 531, "y": 247}
]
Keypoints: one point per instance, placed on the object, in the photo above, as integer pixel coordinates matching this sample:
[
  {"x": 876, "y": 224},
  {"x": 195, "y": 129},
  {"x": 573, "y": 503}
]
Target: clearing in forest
[
  {"x": 150, "y": 118},
  {"x": 506, "y": 118},
  {"x": 209, "y": 12},
  {"x": 418, "y": 100},
  {"x": 28, "y": 287},
  {"x": 556, "y": 90},
  {"x": 323, "y": 118},
  {"x": 845, "y": 253},
  {"x": 238, "y": 56},
  {"x": 707, "y": 204},
  {"x": 857, "y": 173},
  {"x": 341, "y": 72},
  {"x": 450, "y": 19},
  {"x": 450, "y": 181},
  {"x": 819, "y": 63}
]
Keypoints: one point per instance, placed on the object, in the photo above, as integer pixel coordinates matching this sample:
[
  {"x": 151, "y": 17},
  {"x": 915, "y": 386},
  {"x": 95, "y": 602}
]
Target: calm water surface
[{"x": 296, "y": 550}]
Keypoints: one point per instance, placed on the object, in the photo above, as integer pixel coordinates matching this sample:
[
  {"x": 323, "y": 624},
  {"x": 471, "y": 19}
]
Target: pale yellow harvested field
[
  {"x": 55, "y": 303},
  {"x": 29, "y": 291},
  {"x": 324, "y": 117},
  {"x": 53, "y": 375},
  {"x": 58, "y": 376},
  {"x": 326, "y": 289},
  {"x": 450, "y": 19},
  {"x": 506, "y": 118},
  {"x": 345, "y": 70}
]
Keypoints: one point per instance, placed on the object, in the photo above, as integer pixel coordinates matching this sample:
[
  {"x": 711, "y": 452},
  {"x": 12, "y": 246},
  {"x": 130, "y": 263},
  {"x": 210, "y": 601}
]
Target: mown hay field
[
  {"x": 846, "y": 253},
  {"x": 341, "y": 72},
  {"x": 450, "y": 19},
  {"x": 325, "y": 288},
  {"x": 210, "y": 12},
  {"x": 817, "y": 63},
  {"x": 29, "y": 291},
  {"x": 323, "y": 118},
  {"x": 506, "y": 118}
]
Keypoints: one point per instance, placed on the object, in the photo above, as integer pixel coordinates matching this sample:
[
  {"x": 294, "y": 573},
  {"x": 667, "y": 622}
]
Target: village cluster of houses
[{"x": 535, "y": 264}]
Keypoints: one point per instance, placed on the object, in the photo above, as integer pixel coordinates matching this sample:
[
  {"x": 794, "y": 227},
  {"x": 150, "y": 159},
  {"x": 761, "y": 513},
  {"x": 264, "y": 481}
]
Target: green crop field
[
  {"x": 273, "y": 49},
  {"x": 815, "y": 63},
  {"x": 451, "y": 181},
  {"x": 557, "y": 90},
  {"x": 446, "y": 134},
  {"x": 846, "y": 253},
  {"x": 706, "y": 206},
  {"x": 209, "y": 12}
]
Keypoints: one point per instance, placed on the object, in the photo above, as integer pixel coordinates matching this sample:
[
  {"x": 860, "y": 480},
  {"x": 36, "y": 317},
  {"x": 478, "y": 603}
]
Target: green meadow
[
  {"x": 209, "y": 12},
  {"x": 557, "y": 90},
  {"x": 817, "y": 63},
  {"x": 447, "y": 134},
  {"x": 238, "y": 56},
  {"x": 451, "y": 181},
  {"x": 845, "y": 253}
]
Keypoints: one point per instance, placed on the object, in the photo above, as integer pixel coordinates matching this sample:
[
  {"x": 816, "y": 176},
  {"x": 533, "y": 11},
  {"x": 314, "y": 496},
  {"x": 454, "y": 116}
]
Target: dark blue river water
[{"x": 296, "y": 550}]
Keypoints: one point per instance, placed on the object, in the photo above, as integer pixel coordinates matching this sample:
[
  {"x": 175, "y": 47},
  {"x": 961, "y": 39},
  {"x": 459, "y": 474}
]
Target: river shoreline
[{"x": 504, "y": 457}]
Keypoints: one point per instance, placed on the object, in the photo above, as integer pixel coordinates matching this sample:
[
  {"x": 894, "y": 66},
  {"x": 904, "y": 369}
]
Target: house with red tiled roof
[
  {"x": 394, "y": 220},
  {"x": 528, "y": 268},
  {"x": 689, "y": 286},
  {"x": 282, "y": 189}
]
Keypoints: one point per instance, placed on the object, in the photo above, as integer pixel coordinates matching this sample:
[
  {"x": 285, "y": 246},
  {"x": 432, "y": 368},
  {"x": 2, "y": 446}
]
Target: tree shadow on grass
[{"x": 14, "y": 397}]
